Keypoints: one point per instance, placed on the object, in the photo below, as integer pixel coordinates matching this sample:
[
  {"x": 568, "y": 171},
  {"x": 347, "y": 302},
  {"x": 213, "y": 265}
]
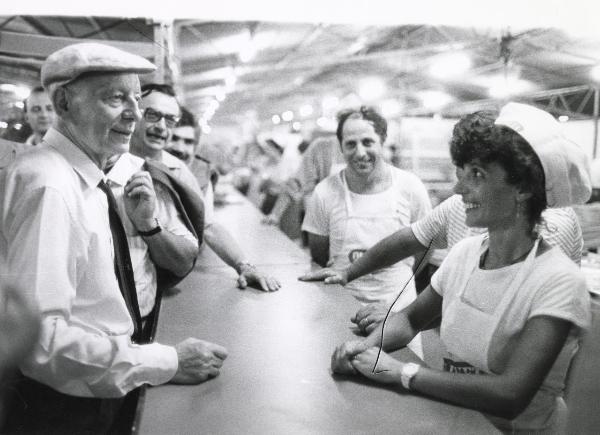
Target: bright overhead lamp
[
  {"x": 296, "y": 126},
  {"x": 275, "y": 119},
  {"x": 18, "y": 126},
  {"x": 330, "y": 102},
  {"x": 595, "y": 73},
  {"x": 306, "y": 110},
  {"x": 434, "y": 100},
  {"x": 563, "y": 118},
  {"x": 503, "y": 87},
  {"x": 19, "y": 104},
  {"x": 22, "y": 92},
  {"x": 3, "y": 124},
  {"x": 221, "y": 96},
  {"x": 450, "y": 65},
  {"x": 287, "y": 116},
  {"x": 390, "y": 108},
  {"x": 7, "y": 87},
  {"x": 371, "y": 88}
]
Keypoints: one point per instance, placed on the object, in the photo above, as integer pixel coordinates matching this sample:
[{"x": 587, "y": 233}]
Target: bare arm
[{"x": 319, "y": 248}]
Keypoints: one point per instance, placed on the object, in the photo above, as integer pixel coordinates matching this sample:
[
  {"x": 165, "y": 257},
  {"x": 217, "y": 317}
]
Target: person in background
[
  {"x": 63, "y": 247},
  {"x": 512, "y": 307},
  {"x": 160, "y": 115},
  {"x": 185, "y": 145},
  {"x": 39, "y": 114},
  {"x": 9, "y": 151},
  {"x": 444, "y": 227},
  {"x": 352, "y": 210},
  {"x": 321, "y": 159}
]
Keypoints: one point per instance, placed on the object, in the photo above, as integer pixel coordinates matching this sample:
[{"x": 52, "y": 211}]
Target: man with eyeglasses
[
  {"x": 161, "y": 113},
  {"x": 64, "y": 246},
  {"x": 39, "y": 114}
]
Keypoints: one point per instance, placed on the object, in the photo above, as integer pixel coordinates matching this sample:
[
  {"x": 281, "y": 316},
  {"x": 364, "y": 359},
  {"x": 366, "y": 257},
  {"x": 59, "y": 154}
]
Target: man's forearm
[
  {"x": 224, "y": 245},
  {"x": 386, "y": 252},
  {"x": 172, "y": 252}
]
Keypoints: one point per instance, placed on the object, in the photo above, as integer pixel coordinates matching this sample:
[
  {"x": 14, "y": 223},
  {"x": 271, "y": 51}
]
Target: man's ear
[{"x": 60, "y": 101}]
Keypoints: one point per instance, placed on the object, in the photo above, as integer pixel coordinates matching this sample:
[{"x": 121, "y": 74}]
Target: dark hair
[
  {"x": 36, "y": 90},
  {"x": 368, "y": 114},
  {"x": 476, "y": 137},
  {"x": 148, "y": 88},
  {"x": 187, "y": 119}
]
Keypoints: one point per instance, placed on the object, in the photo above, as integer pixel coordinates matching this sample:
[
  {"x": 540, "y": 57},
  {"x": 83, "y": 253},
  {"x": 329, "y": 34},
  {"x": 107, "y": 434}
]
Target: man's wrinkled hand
[
  {"x": 249, "y": 275},
  {"x": 140, "y": 201},
  {"x": 199, "y": 361}
]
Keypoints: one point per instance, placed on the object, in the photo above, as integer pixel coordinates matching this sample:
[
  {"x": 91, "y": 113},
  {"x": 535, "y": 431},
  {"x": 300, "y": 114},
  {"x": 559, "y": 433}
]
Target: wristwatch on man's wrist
[
  {"x": 407, "y": 374},
  {"x": 157, "y": 229}
]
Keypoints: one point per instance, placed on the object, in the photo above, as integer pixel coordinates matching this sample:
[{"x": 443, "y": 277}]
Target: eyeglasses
[
  {"x": 152, "y": 115},
  {"x": 185, "y": 140}
]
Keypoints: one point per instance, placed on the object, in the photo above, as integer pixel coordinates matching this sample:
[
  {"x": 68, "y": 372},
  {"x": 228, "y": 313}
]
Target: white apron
[
  {"x": 361, "y": 232},
  {"x": 467, "y": 332}
]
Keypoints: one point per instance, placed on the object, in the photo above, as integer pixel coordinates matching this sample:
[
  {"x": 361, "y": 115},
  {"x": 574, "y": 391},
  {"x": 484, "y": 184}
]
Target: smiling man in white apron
[{"x": 356, "y": 207}]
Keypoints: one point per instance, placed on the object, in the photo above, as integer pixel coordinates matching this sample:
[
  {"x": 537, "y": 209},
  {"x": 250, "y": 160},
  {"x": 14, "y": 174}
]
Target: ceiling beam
[
  {"x": 8, "y": 20},
  {"x": 98, "y": 29},
  {"x": 41, "y": 46},
  {"x": 39, "y": 27}
]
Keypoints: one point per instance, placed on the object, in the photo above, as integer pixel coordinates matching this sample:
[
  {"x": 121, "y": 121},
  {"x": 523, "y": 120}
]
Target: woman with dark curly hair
[{"x": 512, "y": 307}]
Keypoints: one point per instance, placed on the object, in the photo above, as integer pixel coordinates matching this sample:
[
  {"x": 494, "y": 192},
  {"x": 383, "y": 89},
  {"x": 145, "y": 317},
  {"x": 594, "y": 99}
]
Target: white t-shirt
[
  {"x": 555, "y": 287},
  {"x": 446, "y": 226},
  {"x": 326, "y": 211}
]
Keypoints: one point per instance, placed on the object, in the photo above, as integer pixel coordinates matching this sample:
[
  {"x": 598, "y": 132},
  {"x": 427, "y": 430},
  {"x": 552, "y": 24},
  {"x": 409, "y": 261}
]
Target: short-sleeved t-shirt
[
  {"x": 555, "y": 287},
  {"x": 326, "y": 211},
  {"x": 446, "y": 226}
]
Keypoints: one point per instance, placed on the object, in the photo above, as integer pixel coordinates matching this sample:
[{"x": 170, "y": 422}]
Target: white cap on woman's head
[{"x": 566, "y": 166}]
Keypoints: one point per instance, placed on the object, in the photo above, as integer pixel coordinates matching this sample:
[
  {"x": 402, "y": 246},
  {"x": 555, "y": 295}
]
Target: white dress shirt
[
  {"x": 143, "y": 267},
  {"x": 56, "y": 244}
]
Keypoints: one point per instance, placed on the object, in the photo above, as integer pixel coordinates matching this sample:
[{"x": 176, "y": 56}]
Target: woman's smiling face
[{"x": 489, "y": 200}]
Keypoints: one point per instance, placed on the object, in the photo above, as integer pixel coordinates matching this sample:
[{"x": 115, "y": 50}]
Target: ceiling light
[
  {"x": 450, "y": 65},
  {"x": 22, "y": 92},
  {"x": 221, "y": 96},
  {"x": 7, "y": 87},
  {"x": 296, "y": 126},
  {"x": 330, "y": 102},
  {"x": 288, "y": 115},
  {"x": 371, "y": 88},
  {"x": 18, "y": 126},
  {"x": 390, "y": 108},
  {"x": 248, "y": 52},
  {"x": 595, "y": 73},
  {"x": 276, "y": 119},
  {"x": 19, "y": 104},
  {"x": 3, "y": 124},
  {"x": 434, "y": 100},
  {"x": 306, "y": 110},
  {"x": 563, "y": 118},
  {"x": 502, "y": 87}
]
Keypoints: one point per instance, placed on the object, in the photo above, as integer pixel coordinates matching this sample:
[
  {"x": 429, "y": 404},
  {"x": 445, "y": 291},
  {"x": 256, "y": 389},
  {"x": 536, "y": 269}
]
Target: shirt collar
[
  {"x": 124, "y": 168},
  {"x": 80, "y": 162},
  {"x": 171, "y": 161}
]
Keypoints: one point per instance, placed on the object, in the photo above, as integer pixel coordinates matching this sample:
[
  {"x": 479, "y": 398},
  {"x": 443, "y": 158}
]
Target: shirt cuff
[{"x": 164, "y": 361}]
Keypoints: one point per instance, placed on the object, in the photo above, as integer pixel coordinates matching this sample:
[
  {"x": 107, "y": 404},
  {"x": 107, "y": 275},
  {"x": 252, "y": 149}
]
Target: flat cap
[{"x": 68, "y": 63}]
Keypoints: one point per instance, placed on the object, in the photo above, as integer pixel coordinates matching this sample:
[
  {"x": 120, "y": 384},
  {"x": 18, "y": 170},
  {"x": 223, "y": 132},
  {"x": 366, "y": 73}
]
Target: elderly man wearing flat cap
[{"x": 65, "y": 247}]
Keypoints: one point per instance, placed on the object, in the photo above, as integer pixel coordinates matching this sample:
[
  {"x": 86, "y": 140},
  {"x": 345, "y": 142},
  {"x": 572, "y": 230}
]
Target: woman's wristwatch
[{"x": 408, "y": 372}]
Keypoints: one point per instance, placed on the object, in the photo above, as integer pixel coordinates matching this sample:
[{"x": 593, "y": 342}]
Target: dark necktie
[{"x": 123, "y": 268}]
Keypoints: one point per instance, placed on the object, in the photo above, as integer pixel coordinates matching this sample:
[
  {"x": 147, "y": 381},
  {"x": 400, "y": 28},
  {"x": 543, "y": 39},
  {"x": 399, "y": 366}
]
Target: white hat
[
  {"x": 566, "y": 166},
  {"x": 68, "y": 63}
]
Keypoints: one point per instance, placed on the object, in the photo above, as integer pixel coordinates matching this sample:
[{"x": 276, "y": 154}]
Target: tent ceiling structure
[{"x": 260, "y": 69}]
